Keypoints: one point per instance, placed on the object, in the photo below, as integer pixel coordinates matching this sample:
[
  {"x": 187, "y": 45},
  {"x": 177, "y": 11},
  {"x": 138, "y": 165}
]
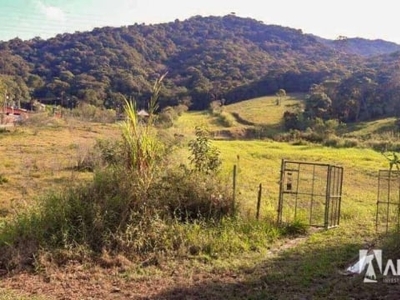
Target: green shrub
[
  {"x": 300, "y": 142},
  {"x": 204, "y": 157},
  {"x": 381, "y": 146},
  {"x": 295, "y": 228},
  {"x": 110, "y": 151},
  {"x": 4, "y": 130},
  {"x": 334, "y": 141},
  {"x": 42, "y": 119},
  {"x": 188, "y": 196},
  {"x": 167, "y": 117},
  {"x": 377, "y": 146},
  {"x": 312, "y": 136},
  {"x": 351, "y": 143},
  {"x": 181, "y": 108},
  {"x": 91, "y": 113},
  {"x": 225, "y": 119},
  {"x": 3, "y": 179},
  {"x": 215, "y": 107}
]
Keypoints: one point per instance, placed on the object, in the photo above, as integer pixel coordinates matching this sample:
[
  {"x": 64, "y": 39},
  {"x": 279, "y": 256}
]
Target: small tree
[
  {"x": 281, "y": 94},
  {"x": 318, "y": 105},
  {"x": 393, "y": 159},
  {"x": 204, "y": 156}
]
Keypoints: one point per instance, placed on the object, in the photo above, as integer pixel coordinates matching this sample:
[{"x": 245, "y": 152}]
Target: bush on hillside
[
  {"x": 225, "y": 119},
  {"x": 91, "y": 113}
]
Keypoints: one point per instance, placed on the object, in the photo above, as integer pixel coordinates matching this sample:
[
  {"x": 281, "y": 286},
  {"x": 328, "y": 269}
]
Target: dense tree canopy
[{"x": 207, "y": 58}]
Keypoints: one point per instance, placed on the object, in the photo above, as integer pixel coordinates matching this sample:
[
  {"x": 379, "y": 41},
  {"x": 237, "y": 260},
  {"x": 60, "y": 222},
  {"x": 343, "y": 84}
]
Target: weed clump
[{"x": 295, "y": 228}]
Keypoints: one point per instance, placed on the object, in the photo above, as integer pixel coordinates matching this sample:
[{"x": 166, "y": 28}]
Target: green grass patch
[
  {"x": 264, "y": 110},
  {"x": 363, "y": 129},
  {"x": 188, "y": 121}
]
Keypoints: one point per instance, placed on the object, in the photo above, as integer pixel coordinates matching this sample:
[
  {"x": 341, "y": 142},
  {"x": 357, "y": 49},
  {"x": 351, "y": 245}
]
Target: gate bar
[
  {"x": 328, "y": 187},
  {"x": 280, "y": 203},
  {"x": 297, "y": 190}
]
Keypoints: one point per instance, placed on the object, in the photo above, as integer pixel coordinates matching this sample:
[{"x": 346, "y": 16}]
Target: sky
[{"x": 368, "y": 19}]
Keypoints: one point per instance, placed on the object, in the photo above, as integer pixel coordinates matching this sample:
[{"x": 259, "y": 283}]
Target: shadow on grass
[
  {"x": 241, "y": 120},
  {"x": 313, "y": 269}
]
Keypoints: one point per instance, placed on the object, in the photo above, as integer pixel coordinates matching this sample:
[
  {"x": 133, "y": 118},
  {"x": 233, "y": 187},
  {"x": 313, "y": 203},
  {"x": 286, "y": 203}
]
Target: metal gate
[
  {"x": 310, "y": 193},
  {"x": 388, "y": 204}
]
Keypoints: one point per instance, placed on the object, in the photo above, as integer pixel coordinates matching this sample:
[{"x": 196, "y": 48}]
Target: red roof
[{"x": 14, "y": 111}]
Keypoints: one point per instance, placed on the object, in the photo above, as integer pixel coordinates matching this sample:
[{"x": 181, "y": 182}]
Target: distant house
[
  {"x": 13, "y": 115},
  {"x": 143, "y": 113}
]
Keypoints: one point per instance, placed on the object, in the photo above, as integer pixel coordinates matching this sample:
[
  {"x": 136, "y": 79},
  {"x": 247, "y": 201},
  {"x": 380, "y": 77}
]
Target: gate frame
[
  {"x": 328, "y": 195},
  {"x": 387, "y": 197}
]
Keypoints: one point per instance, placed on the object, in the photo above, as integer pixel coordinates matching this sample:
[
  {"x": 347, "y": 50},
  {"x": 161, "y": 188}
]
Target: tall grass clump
[{"x": 142, "y": 149}]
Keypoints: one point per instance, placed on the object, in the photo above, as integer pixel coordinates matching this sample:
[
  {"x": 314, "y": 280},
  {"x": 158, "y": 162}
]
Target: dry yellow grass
[{"x": 35, "y": 159}]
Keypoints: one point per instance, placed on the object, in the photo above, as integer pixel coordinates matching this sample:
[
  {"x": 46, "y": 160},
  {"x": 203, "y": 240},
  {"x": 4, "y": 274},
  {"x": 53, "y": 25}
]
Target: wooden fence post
[
  {"x": 259, "y": 201},
  {"x": 234, "y": 191}
]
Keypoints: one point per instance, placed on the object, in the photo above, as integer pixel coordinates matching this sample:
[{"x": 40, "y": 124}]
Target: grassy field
[
  {"x": 259, "y": 162},
  {"x": 245, "y": 116},
  {"x": 264, "y": 110},
  {"x": 36, "y": 159},
  {"x": 366, "y": 129}
]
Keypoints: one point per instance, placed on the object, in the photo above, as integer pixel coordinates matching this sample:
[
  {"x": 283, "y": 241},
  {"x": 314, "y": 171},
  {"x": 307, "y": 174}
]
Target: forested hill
[
  {"x": 360, "y": 46},
  {"x": 206, "y": 58}
]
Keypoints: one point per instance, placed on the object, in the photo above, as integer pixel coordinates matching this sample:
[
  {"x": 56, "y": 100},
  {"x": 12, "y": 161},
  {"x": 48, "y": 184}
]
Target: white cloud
[{"x": 51, "y": 12}]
